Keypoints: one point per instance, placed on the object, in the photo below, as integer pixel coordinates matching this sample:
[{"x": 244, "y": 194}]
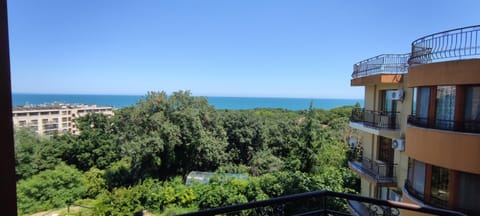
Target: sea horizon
[{"x": 219, "y": 102}]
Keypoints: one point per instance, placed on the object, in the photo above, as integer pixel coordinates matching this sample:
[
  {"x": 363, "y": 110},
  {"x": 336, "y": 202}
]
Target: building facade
[
  {"x": 55, "y": 118},
  {"x": 419, "y": 131}
]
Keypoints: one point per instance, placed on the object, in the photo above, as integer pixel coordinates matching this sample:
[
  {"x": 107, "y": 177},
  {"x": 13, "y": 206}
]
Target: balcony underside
[
  {"x": 377, "y": 79},
  {"x": 371, "y": 176},
  {"x": 365, "y": 127}
]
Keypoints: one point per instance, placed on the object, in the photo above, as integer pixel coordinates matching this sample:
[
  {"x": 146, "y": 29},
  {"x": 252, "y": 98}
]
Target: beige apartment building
[
  {"x": 55, "y": 117},
  {"x": 419, "y": 130}
]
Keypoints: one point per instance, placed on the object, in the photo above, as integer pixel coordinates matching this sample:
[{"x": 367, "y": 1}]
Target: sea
[{"x": 233, "y": 103}]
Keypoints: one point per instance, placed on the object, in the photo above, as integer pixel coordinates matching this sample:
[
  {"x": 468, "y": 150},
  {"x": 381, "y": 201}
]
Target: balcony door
[
  {"x": 386, "y": 155},
  {"x": 387, "y": 102},
  {"x": 389, "y": 107}
]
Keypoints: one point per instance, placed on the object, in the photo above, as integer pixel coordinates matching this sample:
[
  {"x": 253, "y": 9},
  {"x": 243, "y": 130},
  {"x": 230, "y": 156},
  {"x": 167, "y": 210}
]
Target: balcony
[
  {"x": 375, "y": 171},
  {"x": 455, "y": 44},
  {"x": 381, "y": 123},
  {"x": 420, "y": 197},
  {"x": 386, "y": 68},
  {"x": 467, "y": 126},
  {"x": 321, "y": 203},
  {"x": 440, "y": 143}
]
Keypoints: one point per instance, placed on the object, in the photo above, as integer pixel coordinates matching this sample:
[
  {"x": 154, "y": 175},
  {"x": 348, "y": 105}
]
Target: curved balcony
[
  {"x": 375, "y": 171},
  {"x": 419, "y": 197},
  {"x": 449, "y": 144},
  {"x": 455, "y": 44},
  {"x": 467, "y": 126},
  {"x": 381, "y": 64}
]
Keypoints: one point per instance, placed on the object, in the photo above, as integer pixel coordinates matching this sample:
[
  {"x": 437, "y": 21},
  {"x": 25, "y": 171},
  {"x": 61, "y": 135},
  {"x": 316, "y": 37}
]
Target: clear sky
[{"x": 264, "y": 48}]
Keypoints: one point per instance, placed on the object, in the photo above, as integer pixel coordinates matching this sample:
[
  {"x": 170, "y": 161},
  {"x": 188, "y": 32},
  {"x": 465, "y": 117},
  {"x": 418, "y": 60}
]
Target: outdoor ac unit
[
  {"x": 352, "y": 142},
  {"x": 398, "y": 144},
  {"x": 397, "y": 95}
]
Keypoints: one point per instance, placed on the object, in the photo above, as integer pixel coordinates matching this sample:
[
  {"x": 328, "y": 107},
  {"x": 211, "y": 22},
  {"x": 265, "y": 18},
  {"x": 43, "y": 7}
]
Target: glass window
[
  {"x": 472, "y": 108},
  {"x": 423, "y": 105},
  {"x": 445, "y": 111},
  {"x": 439, "y": 186},
  {"x": 414, "y": 101},
  {"x": 419, "y": 177},
  {"x": 468, "y": 191},
  {"x": 388, "y": 104}
]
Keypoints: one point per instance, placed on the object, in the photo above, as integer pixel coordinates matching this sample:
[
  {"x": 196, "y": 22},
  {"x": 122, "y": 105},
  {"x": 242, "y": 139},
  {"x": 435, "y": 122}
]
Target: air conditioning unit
[
  {"x": 398, "y": 94},
  {"x": 352, "y": 142},
  {"x": 398, "y": 144}
]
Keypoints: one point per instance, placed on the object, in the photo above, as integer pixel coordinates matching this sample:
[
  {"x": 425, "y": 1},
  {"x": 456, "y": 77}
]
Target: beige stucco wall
[{"x": 365, "y": 190}]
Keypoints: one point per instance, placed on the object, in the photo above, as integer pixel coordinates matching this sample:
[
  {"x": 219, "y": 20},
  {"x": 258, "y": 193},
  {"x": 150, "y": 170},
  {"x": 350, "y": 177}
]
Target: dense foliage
[{"x": 137, "y": 159}]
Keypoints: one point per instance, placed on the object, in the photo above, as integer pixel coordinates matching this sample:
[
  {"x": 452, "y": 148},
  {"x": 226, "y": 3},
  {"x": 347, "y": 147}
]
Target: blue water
[{"x": 119, "y": 101}]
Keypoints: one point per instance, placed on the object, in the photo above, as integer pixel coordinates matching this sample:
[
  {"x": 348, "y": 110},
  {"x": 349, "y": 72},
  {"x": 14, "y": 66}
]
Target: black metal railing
[
  {"x": 453, "y": 44},
  {"x": 381, "y": 64},
  {"x": 468, "y": 126},
  {"x": 319, "y": 203},
  {"x": 378, "y": 170},
  {"x": 376, "y": 119}
]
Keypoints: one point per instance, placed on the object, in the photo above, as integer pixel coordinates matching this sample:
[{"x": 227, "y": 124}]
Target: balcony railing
[
  {"x": 379, "y": 171},
  {"x": 453, "y": 44},
  {"x": 468, "y": 126},
  {"x": 382, "y": 64},
  {"x": 376, "y": 119},
  {"x": 319, "y": 203},
  {"x": 432, "y": 200}
]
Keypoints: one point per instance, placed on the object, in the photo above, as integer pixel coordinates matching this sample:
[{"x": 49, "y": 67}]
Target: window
[
  {"x": 388, "y": 104},
  {"x": 419, "y": 177},
  {"x": 33, "y": 113},
  {"x": 468, "y": 192},
  {"x": 445, "y": 111},
  {"x": 423, "y": 105},
  {"x": 35, "y": 122},
  {"x": 439, "y": 186},
  {"x": 22, "y": 123},
  {"x": 414, "y": 101},
  {"x": 386, "y": 154},
  {"x": 472, "y": 108}
]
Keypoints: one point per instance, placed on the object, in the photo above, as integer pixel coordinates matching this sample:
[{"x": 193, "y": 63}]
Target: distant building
[
  {"x": 204, "y": 177},
  {"x": 55, "y": 117}
]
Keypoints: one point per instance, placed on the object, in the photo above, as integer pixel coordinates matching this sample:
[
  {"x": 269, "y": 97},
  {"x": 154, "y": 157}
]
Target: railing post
[{"x": 325, "y": 211}]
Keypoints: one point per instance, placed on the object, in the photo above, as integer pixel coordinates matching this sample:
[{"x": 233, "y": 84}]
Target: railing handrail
[
  {"x": 378, "y": 162},
  {"x": 444, "y": 32},
  {"x": 467, "y": 126},
  {"x": 322, "y": 194},
  {"x": 372, "y": 66},
  {"x": 376, "y": 118},
  {"x": 450, "y": 44}
]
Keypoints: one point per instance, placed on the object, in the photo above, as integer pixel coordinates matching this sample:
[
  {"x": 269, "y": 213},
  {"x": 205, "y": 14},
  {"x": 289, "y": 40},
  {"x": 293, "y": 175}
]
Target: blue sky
[{"x": 261, "y": 48}]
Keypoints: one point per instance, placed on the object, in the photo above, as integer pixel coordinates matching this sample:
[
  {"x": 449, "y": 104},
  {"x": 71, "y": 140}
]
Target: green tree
[
  {"x": 95, "y": 146},
  {"x": 50, "y": 189}
]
